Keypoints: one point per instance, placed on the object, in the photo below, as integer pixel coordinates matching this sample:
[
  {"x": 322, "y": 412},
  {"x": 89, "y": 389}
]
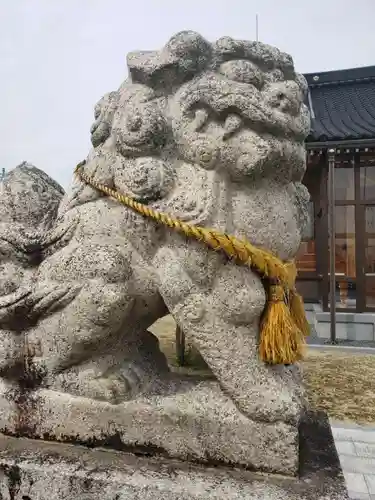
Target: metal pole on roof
[
  {"x": 256, "y": 28},
  {"x": 332, "y": 242}
]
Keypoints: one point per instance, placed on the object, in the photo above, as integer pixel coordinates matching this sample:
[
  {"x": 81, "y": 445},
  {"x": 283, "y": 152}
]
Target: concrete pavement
[{"x": 356, "y": 448}]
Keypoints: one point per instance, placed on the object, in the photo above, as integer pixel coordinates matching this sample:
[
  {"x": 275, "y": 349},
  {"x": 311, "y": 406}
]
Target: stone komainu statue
[{"x": 212, "y": 134}]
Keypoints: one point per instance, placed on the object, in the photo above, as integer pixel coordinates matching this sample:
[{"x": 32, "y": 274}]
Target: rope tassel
[
  {"x": 298, "y": 313},
  {"x": 281, "y": 341}
]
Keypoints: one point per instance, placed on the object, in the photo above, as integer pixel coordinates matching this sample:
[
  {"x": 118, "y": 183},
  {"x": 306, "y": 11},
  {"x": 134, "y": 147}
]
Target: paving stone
[
  {"x": 363, "y": 449},
  {"x": 344, "y": 425},
  {"x": 356, "y": 482},
  {"x": 359, "y": 465},
  {"x": 370, "y": 481},
  {"x": 346, "y": 448},
  {"x": 357, "y": 435},
  {"x": 359, "y": 496}
]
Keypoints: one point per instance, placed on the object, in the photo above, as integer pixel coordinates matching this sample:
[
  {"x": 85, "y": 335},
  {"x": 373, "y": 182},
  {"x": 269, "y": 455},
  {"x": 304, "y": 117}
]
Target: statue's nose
[{"x": 94, "y": 126}]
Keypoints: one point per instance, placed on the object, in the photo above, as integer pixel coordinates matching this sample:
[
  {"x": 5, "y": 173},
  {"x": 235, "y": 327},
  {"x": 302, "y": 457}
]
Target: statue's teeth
[{"x": 232, "y": 123}]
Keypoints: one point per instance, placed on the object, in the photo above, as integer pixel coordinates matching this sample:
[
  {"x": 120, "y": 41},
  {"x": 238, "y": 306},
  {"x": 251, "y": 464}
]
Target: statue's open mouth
[
  {"x": 235, "y": 106},
  {"x": 227, "y": 123},
  {"x": 230, "y": 121}
]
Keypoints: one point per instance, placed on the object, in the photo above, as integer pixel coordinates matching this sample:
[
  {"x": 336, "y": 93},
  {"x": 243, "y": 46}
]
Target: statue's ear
[
  {"x": 185, "y": 55},
  {"x": 267, "y": 57},
  {"x": 144, "y": 67}
]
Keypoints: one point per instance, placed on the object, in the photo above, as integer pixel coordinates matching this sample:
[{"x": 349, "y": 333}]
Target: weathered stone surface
[
  {"x": 213, "y": 134},
  {"x": 38, "y": 470},
  {"x": 29, "y": 201},
  {"x": 189, "y": 420},
  {"x": 30, "y": 198}
]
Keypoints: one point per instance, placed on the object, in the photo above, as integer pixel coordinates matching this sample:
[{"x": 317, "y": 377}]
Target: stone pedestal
[
  {"x": 186, "y": 419},
  {"x": 35, "y": 469}
]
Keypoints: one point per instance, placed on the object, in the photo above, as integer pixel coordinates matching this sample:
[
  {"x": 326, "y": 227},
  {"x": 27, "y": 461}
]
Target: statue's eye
[
  {"x": 243, "y": 71},
  {"x": 134, "y": 122},
  {"x": 275, "y": 76}
]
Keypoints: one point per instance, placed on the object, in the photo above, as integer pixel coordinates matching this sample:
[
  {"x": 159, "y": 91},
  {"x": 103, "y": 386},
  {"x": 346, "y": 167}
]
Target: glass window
[
  {"x": 345, "y": 240},
  {"x": 345, "y": 262},
  {"x": 370, "y": 240},
  {"x": 370, "y": 291},
  {"x": 367, "y": 182},
  {"x": 308, "y": 233},
  {"x": 345, "y": 293},
  {"x": 306, "y": 257},
  {"x": 344, "y": 182},
  {"x": 370, "y": 255}
]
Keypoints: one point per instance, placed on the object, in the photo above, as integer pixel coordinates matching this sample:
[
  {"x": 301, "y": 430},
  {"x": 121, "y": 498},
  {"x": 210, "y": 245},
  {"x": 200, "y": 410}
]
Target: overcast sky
[{"x": 58, "y": 57}]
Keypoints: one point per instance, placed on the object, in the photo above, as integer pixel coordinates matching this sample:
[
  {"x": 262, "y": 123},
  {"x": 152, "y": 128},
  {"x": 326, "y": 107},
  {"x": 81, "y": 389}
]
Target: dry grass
[{"x": 341, "y": 383}]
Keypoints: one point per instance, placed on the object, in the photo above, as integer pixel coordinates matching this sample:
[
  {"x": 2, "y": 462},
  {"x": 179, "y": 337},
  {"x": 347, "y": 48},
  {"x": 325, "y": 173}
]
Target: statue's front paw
[
  {"x": 272, "y": 404},
  {"x": 12, "y": 303},
  {"x": 113, "y": 389}
]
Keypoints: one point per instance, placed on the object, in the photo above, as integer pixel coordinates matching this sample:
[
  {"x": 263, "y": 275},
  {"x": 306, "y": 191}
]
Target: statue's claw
[
  {"x": 32, "y": 303},
  {"x": 50, "y": 299},
  {"x": 13, "y": 299}
]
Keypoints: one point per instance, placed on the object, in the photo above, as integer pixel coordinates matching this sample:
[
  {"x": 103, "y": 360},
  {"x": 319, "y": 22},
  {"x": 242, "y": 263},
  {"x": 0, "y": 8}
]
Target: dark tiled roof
[{"x": 342, "y": 104}]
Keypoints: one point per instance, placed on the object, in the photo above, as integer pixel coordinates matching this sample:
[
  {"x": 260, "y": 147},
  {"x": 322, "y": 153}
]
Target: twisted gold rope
[{"x": 261, "y": 261}]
